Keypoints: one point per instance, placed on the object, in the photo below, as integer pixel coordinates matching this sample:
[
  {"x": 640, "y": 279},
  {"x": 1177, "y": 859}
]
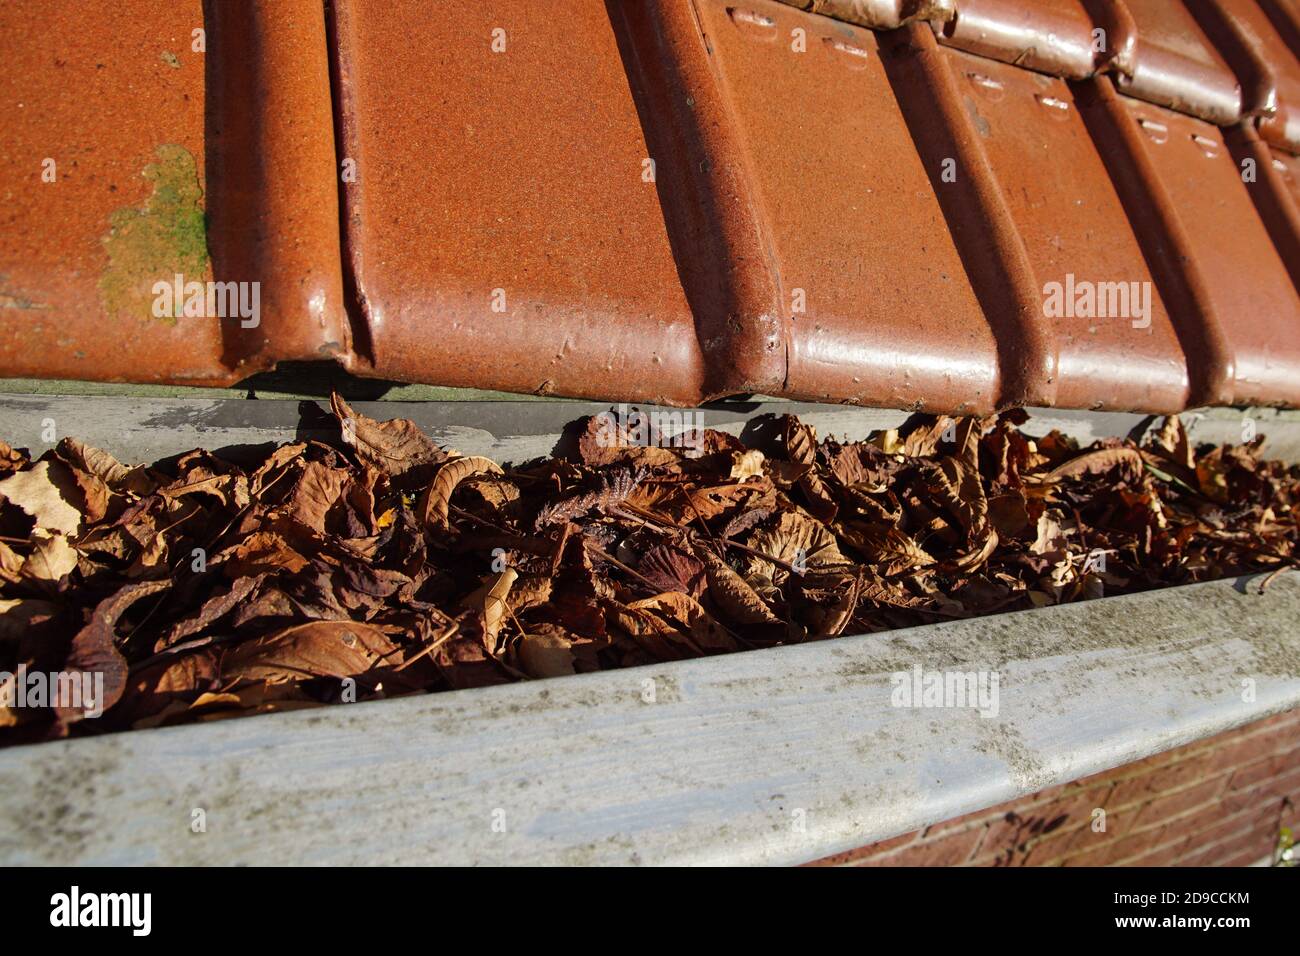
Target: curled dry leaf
[
  {"x": 437, "y": 505},
  {"x": 958, "y": 489},
  {"x": 973, "y": 559},
  {"x": 731, "y": 592},
  {"x": 94, "y": 650},
  {"x": 801, "y": 448},
  {"x": 103, "y": 466},
  {"x": 11, "y": 459},
  {"x": 52, "y": 558},
  {"x": 394, "y": 447},
  {"x": 688, "y": 616},
  {"x": 1173, "y": 441},
  {"x": 491, "y": 602},
  {"x": 1128, "y": 460},
  {"x": 796, "y": 540},
  {"x": 747, "y": 464}
]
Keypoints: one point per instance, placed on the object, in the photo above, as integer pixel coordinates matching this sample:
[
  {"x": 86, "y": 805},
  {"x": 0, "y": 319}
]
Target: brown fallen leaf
[
  {"x": 260, "y": 580},
  {"x": 52, "y": 558},
  {"x": 47, "y": 491},
  {"x": 103, "y": 466},
  {"x": 437, "y": 503},
  {"x": 1129, "y": 460},
  {"x": 672, "y": 569},
  {"x": 316, "y": 649},
  {"x": 687, "y": 615},
  {"x": 11, "y": 459},
  {"x": 260, "y": 553},
  {"x": 889, "y": 551},
  {"x": 212, "y": 610},
  {"x": 395, "y": 447},
  {"x": 801, "y": 448},
  {"x": 546, "y": 651},
  {"x": 796, "y": 540},
  {"x": 94, "y": 649},
  {"x": 732, "y": 594},
  {"x": 490, "y": 603}
]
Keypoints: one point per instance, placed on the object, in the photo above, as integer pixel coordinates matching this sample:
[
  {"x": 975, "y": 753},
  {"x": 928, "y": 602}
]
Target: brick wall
[{"x": 1217, "y": 802}]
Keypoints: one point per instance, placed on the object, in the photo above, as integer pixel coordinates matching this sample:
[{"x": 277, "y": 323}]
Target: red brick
[
  {"x": 1202, "y": 819},
  {"x": 1013, "y": 833},
  {"x": 1260, "y": 770},
  {"x": 949, "y": 850},
  {"x": 1283, "y": 738},
  {"x": 1246, "y": 840},
  {"x": 1136, "y": 768},
  {"x": 1086, "y": 839},
  {"x": 871, "y": 849},
  {"x": 1179, "y": 774},
  {"x": 1275, "y": 788},
  {"x": 1260, "y": 819},
  {"x": 980, "y": 818},
  {"x": 1050, "y": 850},
  {"x": 1164, "y": 855},
  {"x": 1113, "y": 851},
  {"x": 1169, "y": 805},
  {"x": 1247, "y": 857}
]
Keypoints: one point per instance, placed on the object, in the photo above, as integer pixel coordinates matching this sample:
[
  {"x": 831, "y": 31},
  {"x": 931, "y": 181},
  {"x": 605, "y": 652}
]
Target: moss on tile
[{"x": 156, "y": 242}]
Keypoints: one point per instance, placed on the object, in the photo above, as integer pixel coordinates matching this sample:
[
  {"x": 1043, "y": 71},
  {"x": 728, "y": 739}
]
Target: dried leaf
[
  {"x": 730, "y": 592},
  {"x": 47, "y": 492},
  {"x": 796, "y": 540},
  {"x": 1097, "y": 463},
  {"x": 747, "y": 464},
  {"x": 888, "y": 550},
  {"x": 546, "y": 651},
  {"x": 672, "y": 569},
  {"x": 317, "y": 649},
  {"x": 491, "y": 603},
  {"x": 394, "y": 447},
  {"x": 52, "y": 558},
  {"x": 437, "y": 505},
  {"x": 94, "y": 649}
]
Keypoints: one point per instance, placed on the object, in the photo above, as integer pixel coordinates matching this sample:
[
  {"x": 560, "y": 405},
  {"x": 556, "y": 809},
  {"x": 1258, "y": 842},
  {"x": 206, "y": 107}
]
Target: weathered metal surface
[
  {"x": 140, "y": 142},
  {"x": 665, "y": 201}
]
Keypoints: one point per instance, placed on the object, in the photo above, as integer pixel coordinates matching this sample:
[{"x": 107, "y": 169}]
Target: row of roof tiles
[{"x": 964, "y": 204}]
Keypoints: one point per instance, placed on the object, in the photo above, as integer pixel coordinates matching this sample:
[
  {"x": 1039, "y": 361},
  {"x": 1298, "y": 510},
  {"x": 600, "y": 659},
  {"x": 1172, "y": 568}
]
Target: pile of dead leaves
[{"x": 384, "y": 565}]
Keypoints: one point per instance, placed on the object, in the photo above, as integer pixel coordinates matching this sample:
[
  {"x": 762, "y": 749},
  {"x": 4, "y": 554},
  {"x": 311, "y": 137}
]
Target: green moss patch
[{"x": 166, "y": 237}]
